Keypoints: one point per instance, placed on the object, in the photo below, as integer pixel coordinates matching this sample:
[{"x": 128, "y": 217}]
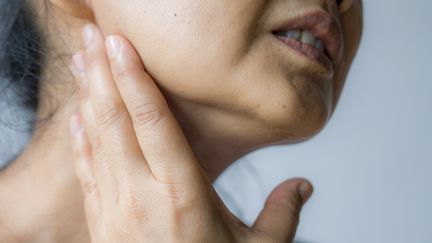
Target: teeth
[
  {"x": 304, "y": 36},
  {"x": 308, "y": 38},
  {"x": 293, "y": 34}
]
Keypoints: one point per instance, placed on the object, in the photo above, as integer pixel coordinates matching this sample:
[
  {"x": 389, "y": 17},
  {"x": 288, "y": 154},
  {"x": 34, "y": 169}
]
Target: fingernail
[
  {"x": 75, "y": 125},
  {"x": 113, "y": 46},
  {"x": 88, "y": 33},
  {"x": 305, "y": 190},
  {"x": 79, "y": 62}
]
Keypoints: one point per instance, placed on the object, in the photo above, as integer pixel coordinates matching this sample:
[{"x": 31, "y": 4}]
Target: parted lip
[{"x": 323, "y": 26}]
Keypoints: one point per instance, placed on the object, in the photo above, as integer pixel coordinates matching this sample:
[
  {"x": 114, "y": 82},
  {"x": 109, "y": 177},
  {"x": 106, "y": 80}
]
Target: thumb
[{"x": 280, "y": 217}]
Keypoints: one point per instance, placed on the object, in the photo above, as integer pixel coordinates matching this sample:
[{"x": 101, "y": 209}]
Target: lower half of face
[{"x": 222, "y": 55}]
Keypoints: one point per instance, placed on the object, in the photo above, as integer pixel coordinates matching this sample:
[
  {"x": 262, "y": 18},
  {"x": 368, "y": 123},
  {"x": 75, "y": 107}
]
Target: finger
[
  {"x": 82, "y": 156},
  {"x": 280, "y": 217},
  {"x": 100, "y": 164},
  {"x": 160, "y": 136},
  {"x": 114, "y": 124}
]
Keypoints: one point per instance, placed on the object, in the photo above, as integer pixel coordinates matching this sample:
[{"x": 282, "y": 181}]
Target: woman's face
[{"x": 222, "y": 54}]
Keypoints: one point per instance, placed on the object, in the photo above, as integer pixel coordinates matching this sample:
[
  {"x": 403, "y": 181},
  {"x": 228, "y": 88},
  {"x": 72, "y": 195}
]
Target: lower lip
[{"x": 309, "y": 51}]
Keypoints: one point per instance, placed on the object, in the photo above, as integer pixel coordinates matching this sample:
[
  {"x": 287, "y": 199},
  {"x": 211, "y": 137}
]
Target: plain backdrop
[{"x": 372, "y": 164}]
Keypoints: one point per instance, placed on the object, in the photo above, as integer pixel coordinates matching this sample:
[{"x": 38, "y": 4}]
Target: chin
[
  {"x": 296, "y": 121},
  {"x": 300, "y": 134}
]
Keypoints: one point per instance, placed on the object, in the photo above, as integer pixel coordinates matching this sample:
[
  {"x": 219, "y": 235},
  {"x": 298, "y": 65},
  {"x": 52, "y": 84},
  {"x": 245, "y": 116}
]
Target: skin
[
  {"x": 242, "y": 93},
  {"x": 127, "y": 120}
]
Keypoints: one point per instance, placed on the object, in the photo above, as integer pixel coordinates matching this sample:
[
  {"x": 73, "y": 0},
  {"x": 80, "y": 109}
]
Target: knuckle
[
  {"x": 109, "y": 113},
  {"x": 180, "y": 198},
  {"x": 148, "y": 115},
  {"x": 176, "y": 194},
  {"x": 180, "y": 203},
  {"x": 132, "y": 206}
]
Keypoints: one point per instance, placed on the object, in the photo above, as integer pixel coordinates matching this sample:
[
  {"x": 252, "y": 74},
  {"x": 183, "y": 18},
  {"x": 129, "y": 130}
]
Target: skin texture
[
  {"x": 230, "y": 87},
  {"x": 128, "y": 145}
]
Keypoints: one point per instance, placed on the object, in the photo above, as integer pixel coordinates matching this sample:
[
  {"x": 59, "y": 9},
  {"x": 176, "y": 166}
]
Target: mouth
[{"x": 315, "y": 35}]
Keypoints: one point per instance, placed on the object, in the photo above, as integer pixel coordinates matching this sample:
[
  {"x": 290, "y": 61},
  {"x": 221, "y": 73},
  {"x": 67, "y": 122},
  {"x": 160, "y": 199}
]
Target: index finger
[{"x": 161, "y": 139}]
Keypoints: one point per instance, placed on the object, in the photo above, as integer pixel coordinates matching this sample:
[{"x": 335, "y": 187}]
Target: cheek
[
  {"x": 189, "y": 47},
  {"x": 177, "y": 40},
  {"x": 208, "y": 53}
]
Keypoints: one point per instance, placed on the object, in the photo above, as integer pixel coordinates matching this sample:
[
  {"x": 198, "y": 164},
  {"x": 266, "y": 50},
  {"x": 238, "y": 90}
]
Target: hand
[{"x": 140, "y": 178}]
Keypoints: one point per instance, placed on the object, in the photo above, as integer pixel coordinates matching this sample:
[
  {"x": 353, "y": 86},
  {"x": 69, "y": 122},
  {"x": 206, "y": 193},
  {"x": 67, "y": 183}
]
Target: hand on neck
[{"x": 40, "y": 197}]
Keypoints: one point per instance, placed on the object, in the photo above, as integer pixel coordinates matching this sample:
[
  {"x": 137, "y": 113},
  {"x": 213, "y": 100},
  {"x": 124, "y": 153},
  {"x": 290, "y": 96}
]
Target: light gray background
[{"x": 372, "y": 165}]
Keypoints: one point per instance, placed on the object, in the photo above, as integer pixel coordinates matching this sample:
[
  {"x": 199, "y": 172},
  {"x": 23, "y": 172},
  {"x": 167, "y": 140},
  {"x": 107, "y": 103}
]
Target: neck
[{"x": 40, "y": 197}]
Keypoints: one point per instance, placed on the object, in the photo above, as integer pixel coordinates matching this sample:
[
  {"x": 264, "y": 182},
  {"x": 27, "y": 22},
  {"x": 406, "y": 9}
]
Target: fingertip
[
  {"x": 122, "y": 51},
  {"x": 113, "y": 45},
  {"x": 88, "y": 33},
  {"x": 302, "y": 187},
  {"x": 78, "y": 69},
  {"x": 305, "y": 190},
  {"x": 78, "y": 61}
]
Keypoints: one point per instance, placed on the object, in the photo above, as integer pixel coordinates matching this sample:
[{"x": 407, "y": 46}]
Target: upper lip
[{"x": 323, "y": 26}]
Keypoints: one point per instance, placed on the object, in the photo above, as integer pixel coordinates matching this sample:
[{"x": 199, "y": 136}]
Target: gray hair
[{"x": 20, "y": 64}]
